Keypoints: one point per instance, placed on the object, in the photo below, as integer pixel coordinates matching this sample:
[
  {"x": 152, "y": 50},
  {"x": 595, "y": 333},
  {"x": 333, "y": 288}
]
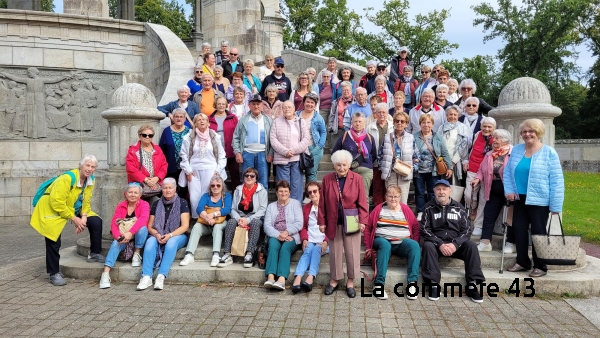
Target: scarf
[
  {"x": 203, "y": 139},
  {"x": 247, "y": 195},
  {"x": 471, "y": 121},
  {"x": 165, "y": 226},
  {"x": 360, "y": 141},
  {"x": 407, "y": 81},
  {"x": 500, "y": 151},
  {"x": 488, "y": 143}
]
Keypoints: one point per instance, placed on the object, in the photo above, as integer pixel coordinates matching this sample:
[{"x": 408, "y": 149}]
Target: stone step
[{"x": 584, "y": 281}]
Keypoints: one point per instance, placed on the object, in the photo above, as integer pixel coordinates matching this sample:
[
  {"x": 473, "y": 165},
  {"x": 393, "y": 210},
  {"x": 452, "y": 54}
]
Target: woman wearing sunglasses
[
  {"x": 146, "y": 164},
  {"x": 467, "y": 89}
]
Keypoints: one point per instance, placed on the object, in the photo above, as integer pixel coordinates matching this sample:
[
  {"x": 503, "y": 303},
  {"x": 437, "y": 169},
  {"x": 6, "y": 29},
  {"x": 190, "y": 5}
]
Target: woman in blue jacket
[{"x": 533, "y": 178}]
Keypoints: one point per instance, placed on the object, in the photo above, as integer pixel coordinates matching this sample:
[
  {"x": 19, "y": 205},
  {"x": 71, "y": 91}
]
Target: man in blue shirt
[{"x": 359, "y": 106}]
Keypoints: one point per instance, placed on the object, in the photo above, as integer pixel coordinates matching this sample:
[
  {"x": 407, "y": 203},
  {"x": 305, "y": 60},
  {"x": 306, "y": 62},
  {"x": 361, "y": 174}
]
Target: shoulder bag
[
  {"x": 556, "y": 249},
  {"x": 147, "y": 191},
  {"x": 351, "y": 225},
  {"x": 442, "y": 167},
  {"x": 399, "y": 166},
  {"x": 306, "y": 161},
  {"x": 210, "y": 210}
]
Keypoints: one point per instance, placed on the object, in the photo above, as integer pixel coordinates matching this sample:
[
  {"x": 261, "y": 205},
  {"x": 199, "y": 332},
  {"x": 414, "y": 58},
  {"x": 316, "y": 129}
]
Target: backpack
[{"x": 46, "y": 184}]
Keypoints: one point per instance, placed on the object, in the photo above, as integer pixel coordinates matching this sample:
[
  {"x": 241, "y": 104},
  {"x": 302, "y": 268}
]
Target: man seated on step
[{"x": 445, "y": 230}]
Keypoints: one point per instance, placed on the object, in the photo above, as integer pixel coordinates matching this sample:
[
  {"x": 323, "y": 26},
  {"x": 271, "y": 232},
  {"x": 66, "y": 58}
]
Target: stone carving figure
[
  {"x": 35, "y": 122},
  {"x": 15, "y": 107},
  {"x": 55, "y": 113},
  {"x": 80, "y": 109}
]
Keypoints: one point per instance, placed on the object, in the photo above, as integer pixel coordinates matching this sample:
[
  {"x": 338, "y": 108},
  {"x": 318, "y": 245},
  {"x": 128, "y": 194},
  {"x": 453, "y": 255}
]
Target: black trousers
[
  {"x": 430, "y": 266},
  {"x": 493, "y": 208},
  {"x": 94, "y": 226},
  {"x": 536, "y": 217},
  {"x": 181, "y": 191}
]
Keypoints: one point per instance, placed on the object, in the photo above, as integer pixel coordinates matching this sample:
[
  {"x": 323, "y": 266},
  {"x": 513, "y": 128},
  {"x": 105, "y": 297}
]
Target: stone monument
[
  {"x": 133, "y": 105},
  {"x": 97, "y": 8}
]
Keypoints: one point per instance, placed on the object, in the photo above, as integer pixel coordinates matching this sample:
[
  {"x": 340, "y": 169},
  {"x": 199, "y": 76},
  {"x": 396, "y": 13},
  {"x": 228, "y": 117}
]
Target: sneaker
[
  {"x": 434, "y": 293},
  {"x": 136, "y": 261},
  {"x": 104, "y": 281},
  {"x": 413, "y": 291},
  {"x": 473, "y": 293},
  {"x": 225, "y": 260},
  {"x": 377, "y": 293},
  {"x": 159, "y": 283},
  {"x": 476, "y": 232},
  {"x": 58, "y": 279},
  {"x": 248, "y": 262},
  {"x": 269, "y": 284},
  {"x": 509, "y": 248},
  {"x": 419, "y": 215},
  {"x": 484, "y": 247},
  {"x": 537, "y": 273},
  {"x": 279, "y": 286},
  {"x": 189, "y": 258},
  {"x": 145, "y": 282},
  {"x": 95, "y": 257},
  {"x": 215, "y": 260}
]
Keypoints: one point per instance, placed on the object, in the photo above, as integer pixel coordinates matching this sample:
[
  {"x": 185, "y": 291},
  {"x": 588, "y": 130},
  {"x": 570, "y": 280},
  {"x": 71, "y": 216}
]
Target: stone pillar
[
  {"x": 126, "y": 10},
  {"x": 28, "y": 5},
  {"x": 133, "y": 105},
  {"x": 197, "y": 34}
]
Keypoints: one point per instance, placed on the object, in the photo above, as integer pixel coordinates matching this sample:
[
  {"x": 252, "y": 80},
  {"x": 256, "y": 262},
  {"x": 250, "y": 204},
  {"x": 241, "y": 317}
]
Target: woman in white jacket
[{"x": 202, "y": 157}]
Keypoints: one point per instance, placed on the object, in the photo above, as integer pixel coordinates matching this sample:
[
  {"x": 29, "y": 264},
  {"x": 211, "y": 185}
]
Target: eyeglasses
[
  {"x": 527, "y": 131},
  {"x": 471, "y": 105},
  {"x": 215, "y": 185},
  {"x": 380, "y": 69},
  {"x": 198, "y": 72},
  {"x": 312, "y": 192},
  {"x": 436, "y": 70},
  {"x": 466, "y": 89},
  {"x": 393, "y": 197},
  {"x": 179, "y": 117},
  {"x": 279, "y": 66},
  {"x": 425, "y": 72},
  {"x": 233, "y": 54},
  {"x": 303, "y": 78},
  {"x": 400, "y": 121},
  {"x": 147, "y": 135},
  {"x": 249, "y": 176}
]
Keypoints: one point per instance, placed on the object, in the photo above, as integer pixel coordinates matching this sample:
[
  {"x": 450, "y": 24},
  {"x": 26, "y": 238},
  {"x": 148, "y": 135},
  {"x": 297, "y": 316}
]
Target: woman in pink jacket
[{"x": 290, "y": 136}]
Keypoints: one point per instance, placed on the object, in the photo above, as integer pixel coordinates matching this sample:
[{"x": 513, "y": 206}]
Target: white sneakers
[
  {"x": 189, "y": 258},
  {"x": 484, "y": 247},
  {"x": 215, "y": 260},
  {"x": 476, "y": 232},
  {"x": 509, "y": 248},
  {"x": 159, "y": 282},
  {"x": 105, "y": 280},
  {"x": 378, "y": 294},
  {"x": 225, "y": 261},
  {"x": 136, "y": 260},
  {"x": 413, "y": 291},
  {"x": 145, "y": 282}
]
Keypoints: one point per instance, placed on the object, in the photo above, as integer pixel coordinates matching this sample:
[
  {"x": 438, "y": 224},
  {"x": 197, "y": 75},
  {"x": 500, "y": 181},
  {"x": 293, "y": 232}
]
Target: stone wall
[
  {"x": 579, "y": 155},
  {"x": 297, "y": 61}
]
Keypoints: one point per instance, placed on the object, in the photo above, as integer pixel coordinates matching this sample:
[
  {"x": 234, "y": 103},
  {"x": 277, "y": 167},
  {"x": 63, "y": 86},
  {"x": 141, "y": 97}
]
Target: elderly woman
[
  {"x": 250, "y": 201},
  {"x": 170, "y": 143},
  {"x": 398, "y": 146},
  {"x": 212, "y": 210},
  {"x": 221, "y": 83},
  {"x": 131, "y": 216},
  {"x": 452, "y": 91},
  {"x": 68, "y": 198},
  {"x": 339, "y": 109},
  {"x": 491, "y": 174},
  {"x": 169, "y": 220},
  {"x": 183, "y": 101},
  {"x": 379, "y": 131},
  {"x": 430, "y": 147},
  {"x": 202, "y": 157},
  {"x": 361, "y": 146},
  {"x": 268, "y": 68},
  {"x": 290, "y": 136},
  {"x": 313, "y": 73},
  {"x": 250, "y": 80},
  {"x": 209, "y": 64},
  {"x": 271, "y": 104},
  {"x": 303, "y": 87},
  {"x": 283, "y": 222},
  {"x": 407, "y": 84},
  {"x": 399, "y": 98},
  {"x": 482, "y": 144},
  {"x": 146, "y": 164},
  {"x": 238, "y": 107},
  {"x": 205, "y": 49},
  {"x": 344, "y": 196},
  {"x": 426, "y": 82},
  {"x": 317, "y": 130},
  {"x": 223, "y": 122},
  {"x": 533, "y": 179},
  {"x": 458, "y": 138},
  {"x": 237, "y": 81},
  {"x": 441, "y": 92},
  {"x": 471, "y": 119},
  {"x": 345, "y": 74},
  {"x": 467, "y": 89},
  {"x": 382, "y": 91},
  {"x": 314, "y": 242},
  {"x": 325, "y": 95},
  {"x": 393, "y": 229}
]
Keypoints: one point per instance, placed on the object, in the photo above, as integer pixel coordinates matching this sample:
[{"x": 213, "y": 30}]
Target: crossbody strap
[{"x": 429, "y": 147}]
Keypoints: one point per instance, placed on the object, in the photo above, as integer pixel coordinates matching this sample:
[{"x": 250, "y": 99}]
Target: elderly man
[
  {"x": 332, "y": 68},
  {"x": 237, "y": 81},
  {"x": 223, "y": 54},
  {"x": 191, "y": 108},
  {"x": 361, "y": 105},
  {"x": 206, "y": 97},
  {"x": 427, "y": 106},
  {"x": 251, "y": 140},
  {"x": 278, "y": 78},
  {"x": 398, "y": 63},
  {"x": 445, "y": 231},
  {"x": 369, "y": 76},
  {"x": 232, "y": 65}
]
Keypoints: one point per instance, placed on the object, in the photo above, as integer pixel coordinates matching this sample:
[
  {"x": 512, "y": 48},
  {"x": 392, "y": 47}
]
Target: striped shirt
[{"x": 392, "y": 225}]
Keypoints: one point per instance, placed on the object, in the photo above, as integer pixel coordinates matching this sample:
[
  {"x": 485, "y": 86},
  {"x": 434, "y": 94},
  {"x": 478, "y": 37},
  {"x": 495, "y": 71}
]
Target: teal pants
[
  {"x": 408, "y": 248},
  {"x": 279, "y": 257}
]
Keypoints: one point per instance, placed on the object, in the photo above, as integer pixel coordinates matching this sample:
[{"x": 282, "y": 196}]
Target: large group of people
[{"x": 232, "y": 130}]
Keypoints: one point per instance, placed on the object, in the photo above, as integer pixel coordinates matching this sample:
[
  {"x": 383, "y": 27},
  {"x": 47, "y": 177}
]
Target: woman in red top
[{"x": 223, "y": 122}]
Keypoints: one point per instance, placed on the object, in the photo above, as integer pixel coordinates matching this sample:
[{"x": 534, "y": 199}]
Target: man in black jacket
[
  {"x": 232, "y": 65},
  {"x": 445, "y": 229},
  {"x": 278, "y": 78}
]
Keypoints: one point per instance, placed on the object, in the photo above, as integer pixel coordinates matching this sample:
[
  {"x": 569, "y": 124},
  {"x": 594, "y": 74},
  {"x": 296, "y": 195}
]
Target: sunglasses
[
  {"x": 436, "y": 70},
  {"x": 269, "y": 59},
  {"x": 215, "y": 185},
  {"x": 279, "y": 66},
  {"x": 425, "y": 72},
  {"x": 303, "y": 78},
  {"x": 147, "y": 135},
  {"x": 249, "y": 176},
  {"x": 466, "y": 89},
  {"x": 381, "y": 68},
  {"x": 198, "y": 72},
  {"x": 312, "y": 192},
  {"x": 471, "y": 105},
  {"x": 233, "y": 54},
  {"x": 400, "y": 121}
]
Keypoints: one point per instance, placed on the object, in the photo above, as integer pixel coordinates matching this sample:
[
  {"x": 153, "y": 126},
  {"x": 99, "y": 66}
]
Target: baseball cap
[
  {"x": 279, "y": 61},
  {"x": 256, "y": 98},
  {"x": 444, "y": 182}
]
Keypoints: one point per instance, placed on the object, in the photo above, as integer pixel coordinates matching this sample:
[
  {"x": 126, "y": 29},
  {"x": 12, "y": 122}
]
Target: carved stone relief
[{"x": 55, "y": 103}]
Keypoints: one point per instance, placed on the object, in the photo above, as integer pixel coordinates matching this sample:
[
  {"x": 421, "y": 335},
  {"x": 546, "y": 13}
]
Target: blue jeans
[
  {"x": 257, "y": 161},
  {"x": 311, "y": 175},
  {"x": 115, "y": 248},
  {"x": 408, "y": 248},
  {"x": 311, "y": 259},
  {"x": 173, "y": 244},
  {"x": 291, "y": 173},
  {"x": 424, "y": 183}
]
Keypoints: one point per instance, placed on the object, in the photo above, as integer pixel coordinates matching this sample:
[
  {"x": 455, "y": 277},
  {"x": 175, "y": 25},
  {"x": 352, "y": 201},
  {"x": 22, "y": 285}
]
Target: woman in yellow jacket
[{"x": 66, "y": 200}]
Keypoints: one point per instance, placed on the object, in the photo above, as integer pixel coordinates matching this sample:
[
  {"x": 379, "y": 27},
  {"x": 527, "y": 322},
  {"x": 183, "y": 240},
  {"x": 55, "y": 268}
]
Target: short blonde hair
[
  {"x": 536, "y": 124},
  {"x": 425, "y": 68},
  {"x": 145, "y": 127},
  {"x": 249, "y": 62},
  {"x": 426, "y": 117},
  {"x": 400, "y": 94},
  {"x": 402, "y": 114},
  {"x": 198, "y": 117},
  {"x": 393, "y": 187}
]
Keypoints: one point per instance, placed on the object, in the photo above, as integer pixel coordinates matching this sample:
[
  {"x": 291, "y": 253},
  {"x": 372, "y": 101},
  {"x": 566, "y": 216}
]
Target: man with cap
[
  {"x": 445, "y": 231},
  {"x": 223, "y": 54},
  {"x": 381, "y": 70},
  {"x": 332, "y": 68},
  {"x": 370, "y": 76},
  {"x": 251, "y": 140},
  {"x": 398, "y": 63},
  {"x": 278, "y": 78}
]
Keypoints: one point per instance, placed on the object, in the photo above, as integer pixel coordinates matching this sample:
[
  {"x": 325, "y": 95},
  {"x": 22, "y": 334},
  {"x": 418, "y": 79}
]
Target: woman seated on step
[
  {"x": 283, "y": 222},
  {"x": 393, "y": 229},
  {"x": 169, "y": 220},
  {"x": 128, "y": 227},
  {"x": 212, "y": 210}
]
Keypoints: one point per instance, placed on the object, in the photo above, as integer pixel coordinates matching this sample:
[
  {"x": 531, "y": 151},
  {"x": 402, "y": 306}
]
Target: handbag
[
  {"x": 556, "y": 249},
  {"x": 147, "y": 191},
  {"x": 351, "y": 224},
  {"x": 442, "y": 167},
  {"x": 372, "y": 256},
  {"x": 306, "y": 161},
  {"x": 399, "y": 166},
  {"x": 260, "y": 257},
  {"x": 240, "y": 241},
  {"x": 210, "y": 210}
]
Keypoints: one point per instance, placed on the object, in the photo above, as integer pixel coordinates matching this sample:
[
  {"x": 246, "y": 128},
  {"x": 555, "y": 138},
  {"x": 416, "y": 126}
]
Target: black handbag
[
  {"x": 260, "y": 257},
  {"x": 306, "y": 161}
]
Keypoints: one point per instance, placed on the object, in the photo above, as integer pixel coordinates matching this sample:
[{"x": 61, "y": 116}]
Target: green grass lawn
[{"x": 581, "y": 210}]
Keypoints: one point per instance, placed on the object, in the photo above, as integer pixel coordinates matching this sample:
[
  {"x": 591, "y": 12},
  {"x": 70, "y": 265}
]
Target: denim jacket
[{"x": 317, "y": 129}]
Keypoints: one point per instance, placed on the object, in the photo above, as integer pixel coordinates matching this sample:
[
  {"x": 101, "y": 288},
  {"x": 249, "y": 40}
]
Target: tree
[
  {"x": 301, "y": 20},
  {"x": 423, "y": 37},
  {"x": 572, "y": 123},
  {"x": 482, "y": 69},
  {"x": 169, "y": 14}
]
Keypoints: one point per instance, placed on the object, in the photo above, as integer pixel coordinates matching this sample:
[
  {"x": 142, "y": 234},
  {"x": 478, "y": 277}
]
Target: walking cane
[{"x": 504, "y": 230}]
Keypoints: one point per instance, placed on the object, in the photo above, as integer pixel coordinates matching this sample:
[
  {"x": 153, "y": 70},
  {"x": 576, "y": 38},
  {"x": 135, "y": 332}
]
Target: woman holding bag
[
  {"x": 318, "y": 132},
  {"x": 458, "y": 139}
]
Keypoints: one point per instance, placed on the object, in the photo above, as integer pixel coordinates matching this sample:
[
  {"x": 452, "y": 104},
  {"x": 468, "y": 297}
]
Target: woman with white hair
[
  {"x": 313, "y": 73},
  {"x": 339, "y": 109},
  {"x": 470, "y": 117},
  {"x": 382, "y": 91},
  {"x": 205, "y": 49},
  {"x": 221, "y": 83},
  {"x": 457, "y": 137},
  {"x": 268, "y": 68},
  {"x": 66, "y": 198},
  {"x": 170, "y": 143},
  {"x": 441, "y": 92},
  {"x": 467, "y": 89},
  {"x": 453, "y": 95},
  {"x": 183, "y": 101}
]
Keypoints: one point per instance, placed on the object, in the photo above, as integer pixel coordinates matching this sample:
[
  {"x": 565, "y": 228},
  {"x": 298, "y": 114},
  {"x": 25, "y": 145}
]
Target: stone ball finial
[
  {"x": 525, "y": 96},
  {"x": 133, "y": 101}
]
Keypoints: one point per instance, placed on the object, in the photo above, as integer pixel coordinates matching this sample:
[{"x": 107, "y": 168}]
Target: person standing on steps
[{"x": 278, "y": 78}]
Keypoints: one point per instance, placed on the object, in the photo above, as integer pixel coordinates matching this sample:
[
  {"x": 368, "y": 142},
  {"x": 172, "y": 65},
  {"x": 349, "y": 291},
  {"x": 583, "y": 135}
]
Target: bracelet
[{"x": 171, "y": 235}]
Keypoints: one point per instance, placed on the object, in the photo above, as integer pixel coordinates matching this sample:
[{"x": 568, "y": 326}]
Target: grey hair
[
  {"x": 361, "y": 89},
  {"x": 207, "y": 74},
  {"x": 169, "y": 180},
  {"x": 218, "y": 67},
  {"x": 503, "y": 135},
  {"x": 219, "y": 179},
  {"x": 453, "y": 80},
  {"x": 453, "y": 107},
  {"x": 472, "y": 98},
  {"x": 184, "y": 87},
  {"x": 224, "y": 43},
  {"x": 380, "y": 78},
  {"x": 206, "y": 44},
  {"x": 441, "y": 86},
  {"x": 327, "y": 73},
  {"x": 341, "y": 156},
  {"x": 311, "y": 69},
  {"x": 382, "y": 106},
  {"x": 90, "y": 158},
  {"x": 134, "y": 185},
  {"x": 409, "y": 68},
  {"x": 470, "y": 83},
  {"x": 358, "y": 114},
  {"x": 179, "y": 111},
  {"x": 428, "y": 90},
  {"x": 346, "y": 84},
  {"x": 489, "y": 120},
  {"x": 271, "y": 87}
]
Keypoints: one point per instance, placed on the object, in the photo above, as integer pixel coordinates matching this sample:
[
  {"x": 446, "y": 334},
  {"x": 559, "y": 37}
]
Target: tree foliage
[
  {"x": 482, "y": 69},
  {"x": 169, "y": 14}
]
